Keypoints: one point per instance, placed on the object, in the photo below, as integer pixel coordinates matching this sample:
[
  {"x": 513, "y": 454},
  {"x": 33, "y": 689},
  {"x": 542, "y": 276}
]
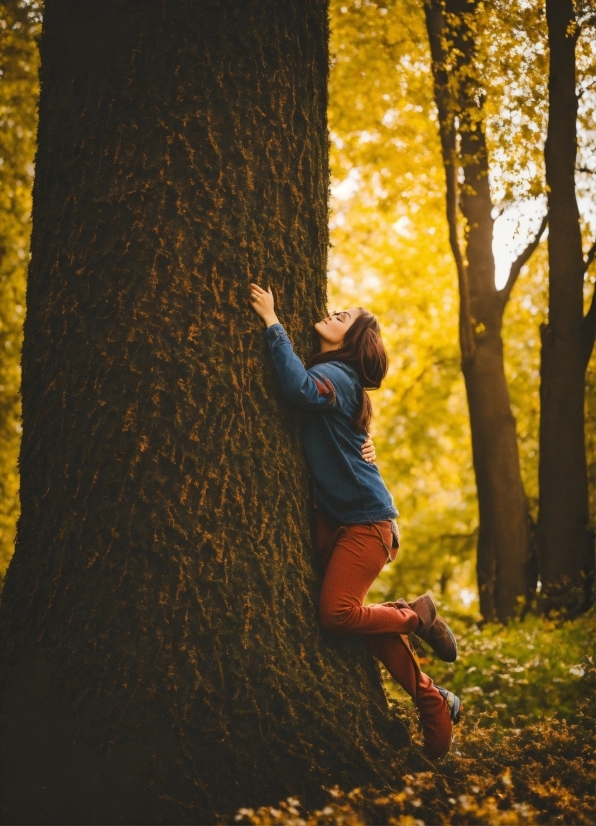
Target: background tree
[
  {"x": 503, "y": 539},
  {"x": 161, "y": 655},
  {"x": 566, "y": 541},
  {"x": 18, "y": 118},
  {"x": 391, "y": 250}
]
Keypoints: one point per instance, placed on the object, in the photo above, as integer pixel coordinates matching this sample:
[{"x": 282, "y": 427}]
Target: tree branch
[
  {"x": 520, "y": 261},
  {"x": 466, "y": 334},
  {"x": 585, "y": 89},
  {"x": 436, "y": 24},
  {"x": 588, "y": 20}
]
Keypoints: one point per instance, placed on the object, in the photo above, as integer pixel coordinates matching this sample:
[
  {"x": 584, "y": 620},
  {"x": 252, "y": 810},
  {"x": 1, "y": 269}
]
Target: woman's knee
[{"x": 334, "y": 618}]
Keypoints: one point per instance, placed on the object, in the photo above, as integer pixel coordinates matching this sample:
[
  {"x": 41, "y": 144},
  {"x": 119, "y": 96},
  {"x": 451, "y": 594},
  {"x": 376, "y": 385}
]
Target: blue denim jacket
[{"x": 346, "y": 487}]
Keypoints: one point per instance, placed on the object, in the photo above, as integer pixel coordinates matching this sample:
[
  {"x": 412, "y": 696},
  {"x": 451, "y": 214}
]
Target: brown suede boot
[
  {"x": 433, "y": 630},
  {"x": 426, "y": 610}
]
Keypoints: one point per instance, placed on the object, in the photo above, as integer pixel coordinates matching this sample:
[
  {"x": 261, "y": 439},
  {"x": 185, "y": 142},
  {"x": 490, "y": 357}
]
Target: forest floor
[{"x": 523, "y": 753}]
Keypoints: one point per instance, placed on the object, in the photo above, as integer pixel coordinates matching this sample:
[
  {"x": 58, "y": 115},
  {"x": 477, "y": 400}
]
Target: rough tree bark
[
  {"x": 161, "y": 659},
  {"x": 503, "y": 555},
  {"x": 565, "y": 544}
]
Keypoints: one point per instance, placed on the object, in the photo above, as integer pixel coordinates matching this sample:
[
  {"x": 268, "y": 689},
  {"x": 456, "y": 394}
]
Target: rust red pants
[{"x": 352, "y": 557}]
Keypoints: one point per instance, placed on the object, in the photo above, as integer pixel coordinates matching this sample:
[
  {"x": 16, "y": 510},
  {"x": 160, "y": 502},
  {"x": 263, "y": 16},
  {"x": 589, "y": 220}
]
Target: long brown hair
[{"x": 363, "y": 350}]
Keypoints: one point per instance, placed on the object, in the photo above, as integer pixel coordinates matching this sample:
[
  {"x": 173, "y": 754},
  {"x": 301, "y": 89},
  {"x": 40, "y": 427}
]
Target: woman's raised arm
[{"x": 298, "y": 385}]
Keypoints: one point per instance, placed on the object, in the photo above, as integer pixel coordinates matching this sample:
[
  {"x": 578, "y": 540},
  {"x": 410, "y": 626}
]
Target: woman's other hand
[
  {"x": 262, "y": 303},
  {"x": 368, "y": 451}
]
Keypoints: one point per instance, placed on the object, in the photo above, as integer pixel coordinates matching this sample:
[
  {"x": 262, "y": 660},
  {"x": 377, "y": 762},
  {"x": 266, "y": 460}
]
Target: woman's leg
[
  {"x": 353, "y": 557},
  {"x": 435, "y": 716}
]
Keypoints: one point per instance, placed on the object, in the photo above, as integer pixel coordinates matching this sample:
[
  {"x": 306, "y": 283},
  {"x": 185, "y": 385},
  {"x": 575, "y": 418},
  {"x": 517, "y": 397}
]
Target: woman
[{"x": 354, "y": 515}]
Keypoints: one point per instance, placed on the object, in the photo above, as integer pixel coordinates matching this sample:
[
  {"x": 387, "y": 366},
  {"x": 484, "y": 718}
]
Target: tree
[
  {"x": 503, "y": 560},
  {"x": 18, "y": 116},
  {"x": 565, "y": 541},
  {"x": 391, "y": 252},
  {"x": 161, "y": 659}
]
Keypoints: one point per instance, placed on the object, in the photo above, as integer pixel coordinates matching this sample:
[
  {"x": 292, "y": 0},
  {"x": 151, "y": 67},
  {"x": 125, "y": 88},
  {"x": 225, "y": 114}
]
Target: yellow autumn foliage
[
  {"x": 390, "y": 252},
  {"x": 18, "y": 123}
]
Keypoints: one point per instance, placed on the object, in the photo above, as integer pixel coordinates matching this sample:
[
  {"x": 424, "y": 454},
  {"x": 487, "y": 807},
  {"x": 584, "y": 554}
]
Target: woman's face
[{"x": 332, "y": 329}]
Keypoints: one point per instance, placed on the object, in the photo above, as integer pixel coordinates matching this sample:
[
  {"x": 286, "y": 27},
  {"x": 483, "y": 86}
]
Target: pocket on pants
[{"x": 384, "y": 531}]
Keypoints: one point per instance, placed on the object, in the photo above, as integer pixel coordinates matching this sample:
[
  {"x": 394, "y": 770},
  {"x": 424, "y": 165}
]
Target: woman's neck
[{"x": 326, "y": 347}]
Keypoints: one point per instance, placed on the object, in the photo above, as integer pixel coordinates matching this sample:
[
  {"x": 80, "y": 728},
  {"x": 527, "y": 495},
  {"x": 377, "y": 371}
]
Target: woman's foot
[
  {"x": 426, "y": 610},
  {"x": 452, "y": 701},
  {"x": 436, "y": 718},
  {"x": 433, "y": 629}
]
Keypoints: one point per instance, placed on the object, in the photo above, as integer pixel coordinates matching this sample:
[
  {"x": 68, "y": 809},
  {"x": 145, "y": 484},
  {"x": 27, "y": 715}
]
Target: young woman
[{"x": 355, "y": 531}]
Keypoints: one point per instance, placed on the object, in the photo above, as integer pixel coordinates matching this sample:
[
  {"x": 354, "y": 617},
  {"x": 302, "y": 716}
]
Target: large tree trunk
[
  {"x": 503, "y": 541},
  {"x": 565, "y": 546},
  {"x": 162, "y": 659}
]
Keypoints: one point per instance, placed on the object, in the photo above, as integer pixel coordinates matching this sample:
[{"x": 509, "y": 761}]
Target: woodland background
[{"x": 527, "y": 686}]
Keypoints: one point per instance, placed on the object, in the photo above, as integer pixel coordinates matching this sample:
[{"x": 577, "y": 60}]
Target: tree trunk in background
[
  {"x": 162, "y": 660},
  {"x": 566, "y": 557},
  {"x": 503, "y": 542}
]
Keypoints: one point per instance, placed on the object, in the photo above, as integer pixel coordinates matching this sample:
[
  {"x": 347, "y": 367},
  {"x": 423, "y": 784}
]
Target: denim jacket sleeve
[{"x": 299, "y": 386}]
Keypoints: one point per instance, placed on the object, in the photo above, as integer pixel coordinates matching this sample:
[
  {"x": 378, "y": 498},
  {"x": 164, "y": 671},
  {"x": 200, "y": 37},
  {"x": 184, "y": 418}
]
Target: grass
[
  {"x": 532, "y": 669},
  {"x": 523, "y": 754}
]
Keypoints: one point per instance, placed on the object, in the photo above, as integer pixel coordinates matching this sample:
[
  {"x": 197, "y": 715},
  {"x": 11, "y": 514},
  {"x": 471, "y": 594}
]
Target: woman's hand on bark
[
  {"x": 368, "y": 451},
  {"x": 263, "y": 304}
]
